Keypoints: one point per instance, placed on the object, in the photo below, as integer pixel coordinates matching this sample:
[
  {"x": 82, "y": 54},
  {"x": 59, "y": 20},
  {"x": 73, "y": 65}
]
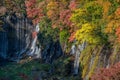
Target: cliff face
[
  {"x": 18, "y": 38},
  {"x": 96, "y": 57},
  {"x": 90, "y": 58},
  {"x": 15, "y": 38}
]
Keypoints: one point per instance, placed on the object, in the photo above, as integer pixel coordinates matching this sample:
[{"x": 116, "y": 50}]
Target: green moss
[
  {"x": 93, "y": 66},
  {"x": 13, "y": 70}
]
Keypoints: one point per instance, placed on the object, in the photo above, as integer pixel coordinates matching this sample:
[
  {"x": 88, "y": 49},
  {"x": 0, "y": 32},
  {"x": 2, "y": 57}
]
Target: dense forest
[{"x": 59, "y": 39}]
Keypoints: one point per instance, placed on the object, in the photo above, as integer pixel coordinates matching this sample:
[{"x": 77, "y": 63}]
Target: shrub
[{"x": 111, "y": 73}]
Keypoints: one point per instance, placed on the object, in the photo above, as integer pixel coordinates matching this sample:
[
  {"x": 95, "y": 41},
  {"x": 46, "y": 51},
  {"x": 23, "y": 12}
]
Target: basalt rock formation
[{"x": 16, "y": 37}]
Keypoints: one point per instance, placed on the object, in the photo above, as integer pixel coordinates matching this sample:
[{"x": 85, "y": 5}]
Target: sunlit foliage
[{"x": 33, "y": 11}]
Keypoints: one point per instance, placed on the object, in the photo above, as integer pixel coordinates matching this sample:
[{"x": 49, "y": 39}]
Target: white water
[
  {"x": 35, "y": 50},
  {"x": 77, "y": 51}
]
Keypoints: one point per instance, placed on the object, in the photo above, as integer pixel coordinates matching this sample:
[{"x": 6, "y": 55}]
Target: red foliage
[
  {"x": 33, "y": 11},
  {"x": 72, "y": 37},
  {"x": 73, "y": 5},
  {"x": 34, "y": 34},
  {"x": 65, "y": 20},
  {"x": 111, "y": 73},
  {"x": 118, "y": 33},
  {"x": 66, "y": 14},
  {"x": 65, "y": 17},
  {"x": 118, "y": 11}
]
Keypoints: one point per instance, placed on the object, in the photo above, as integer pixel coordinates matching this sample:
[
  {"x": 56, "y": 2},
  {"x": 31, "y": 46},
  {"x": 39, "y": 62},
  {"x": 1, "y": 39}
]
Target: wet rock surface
[{"x": 15, "y": 39}]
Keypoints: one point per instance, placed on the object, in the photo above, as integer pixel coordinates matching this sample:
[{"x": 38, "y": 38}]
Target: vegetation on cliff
[{"x": 96, "y": 22}]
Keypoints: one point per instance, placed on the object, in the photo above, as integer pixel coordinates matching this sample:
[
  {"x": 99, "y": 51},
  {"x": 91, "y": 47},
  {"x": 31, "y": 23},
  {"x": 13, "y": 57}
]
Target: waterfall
[
  {"x": 76, "y": 52},
  {"x": 35, "y": 50},
  {"x": 73, "y": 50},
  {"x": 16, "y": 39},
  {"x": 76, "y": 62},
  {"x": 19, "y": 40}
]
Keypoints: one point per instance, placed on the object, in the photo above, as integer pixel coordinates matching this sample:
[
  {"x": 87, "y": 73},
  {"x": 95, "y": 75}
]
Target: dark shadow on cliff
[{"x": 15, "y": 37}]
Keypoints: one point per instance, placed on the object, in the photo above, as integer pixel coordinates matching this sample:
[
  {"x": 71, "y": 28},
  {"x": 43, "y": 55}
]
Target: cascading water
[
  {"x": 34, "y": 48},
  {"x": 16, "y": 38},
  {"x": 76, "y": 52},
  {"x": 19, "y": 39}
]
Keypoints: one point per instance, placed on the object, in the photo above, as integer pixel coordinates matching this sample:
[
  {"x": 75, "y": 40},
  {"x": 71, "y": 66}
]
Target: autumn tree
[
  {"x": 14, "y": 6},
  {"x": 34, "y": 10},
  {"x": 111, "y": 73},
  {"x": 87, "y": 19},
  {"x": 112, "y": 27}
]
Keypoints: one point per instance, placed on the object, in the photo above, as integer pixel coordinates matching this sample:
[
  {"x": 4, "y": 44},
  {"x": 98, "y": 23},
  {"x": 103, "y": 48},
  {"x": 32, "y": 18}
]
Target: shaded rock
[
  {"x": 51, "y": 52},
  {"x": 16, "y": 38}
]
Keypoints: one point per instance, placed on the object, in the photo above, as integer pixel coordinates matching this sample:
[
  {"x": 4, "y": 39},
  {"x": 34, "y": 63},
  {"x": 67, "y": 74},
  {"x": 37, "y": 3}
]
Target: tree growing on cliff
[
  {"x": 111, "y": 73},
  {"x": 34, "y": 10},
  {"x": 87, "y": 20}
]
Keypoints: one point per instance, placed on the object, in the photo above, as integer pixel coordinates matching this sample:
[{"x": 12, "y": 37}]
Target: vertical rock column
[
  {"x": 3, "y": 44},
  {"x": 79, "y": 49}
]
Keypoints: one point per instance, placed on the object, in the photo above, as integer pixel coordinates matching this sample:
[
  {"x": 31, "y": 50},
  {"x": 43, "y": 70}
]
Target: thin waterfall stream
[{"x": 18, "y": 38}]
